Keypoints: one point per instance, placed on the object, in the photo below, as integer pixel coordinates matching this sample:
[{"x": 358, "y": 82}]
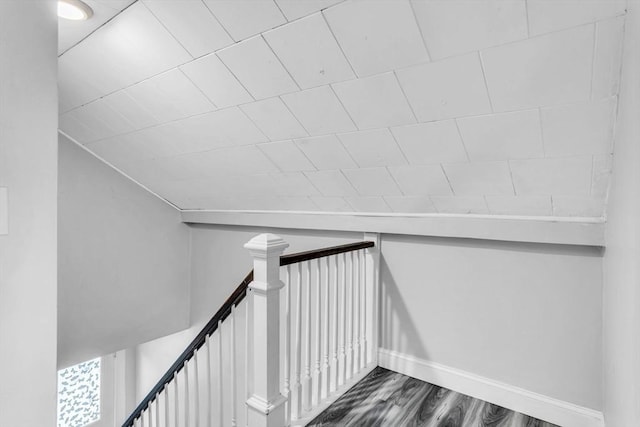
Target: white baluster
[
  {"x": 157, "y": 410},
  {"x": 363, "y": 280},
  {"x": 267, "y": 404},
  {"x": 209, "y": 401},
  {"x": 166, "y": 405},
  {"x": 176, "y": 401},
  {"x": 232, "y": 352},
  {"x": 334, "y": 331},
  {"x": 287, "y": 343},
  {"x": 220, "y": 375},
  {"x": 196, "y": 392},
  {"x": 247, "y": 368},
  {"x": 350, "y": 310},
  {"x": 297, "y": 405},
  {"x": 356, "y": 314},
  {"x": 317, "y": 384},
  {"x": 306, "y": 382},
  {"x": 343, "y": 324},
  {"x": 186, "y": 394},
  {"x": 325, "y": 366}
]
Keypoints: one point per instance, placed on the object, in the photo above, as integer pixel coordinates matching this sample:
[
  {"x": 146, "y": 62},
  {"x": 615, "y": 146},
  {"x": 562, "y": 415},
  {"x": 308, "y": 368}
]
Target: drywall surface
[
  {"x": 219, "y": 262},
  {"x": 123, "y": 261},
  {"x": 28, "y": 169},
  {"x": 621, "y": 261},
  {"x": 528, "y": 315}
]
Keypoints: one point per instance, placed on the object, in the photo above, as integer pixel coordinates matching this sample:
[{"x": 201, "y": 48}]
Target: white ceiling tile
[
  {"x": 377, "y": 36},
  {"x": 372, "y": 182},
  {"x": 233, "y": 161},
  {"x": 245, "y": 18},
  {"x": 147, "y": 171},
  {"x": 601, "y": 175},
  {"x": 115, "y": 4},
  {"x": 293, "y": 184},
  {"x": 479, "y": 178},
  {"x": 607, "y": 58},
  {"x": 74, "y": 88},
  {"x": 183, "y": 167},
  {"x": 126, "y": 50},
  {"x": 288, "y": 204},
  {"x": 71, "y": 32},
  {"x": 547, "y": 16},
  {"x": 410, "y": 204},
  {"x": 73, "y": 125},
  {"x": 331, "y": 183},
  {"x": 164, "y": 140},
  {"x": 191, "y": 22},
  {"x": 119, "y": 149},
  {"x": 578, "y": 206},
  {"x": 560, "y": 176},
  {"x": 274, "y": 119},
  {"x": 460, "y": 204},
  {"x": 373, "y": 148},
  {"x": 519, "y": 205},
  {"x": 579, "y": 128},
  {"x": 98, "y": 119},
  {"x": 332, "y": 204},
  {"x": 170, "y": 96},
  {"x": 502, "y": 136},
  {"x": 216, "y": 81},
  {"x": 294, "y": 9},
  {"x": 429, "y": 143},
  {"x": 326, "y": 152},
  {"x": 309, "y": 52},
  {"x": 421, "y": 180},
  {"x": 448, "y": 88},
  {"x": 319, "y": 111},
  {"x": 204, "y": 132},
  {"x": 257, "y": 68},
  {"x": 460, "y": 26},
  {"x": 375, "y": 102},
  {"x": 368, "y": 204},
  {"x": 135, "y": 113},
  {"x": 287, "y": 156},
  {"x": 541, "y": 71}
]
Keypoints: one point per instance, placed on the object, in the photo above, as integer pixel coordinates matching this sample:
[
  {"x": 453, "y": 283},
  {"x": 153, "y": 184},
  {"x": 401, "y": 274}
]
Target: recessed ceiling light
[{"x": 75, "y": 10}]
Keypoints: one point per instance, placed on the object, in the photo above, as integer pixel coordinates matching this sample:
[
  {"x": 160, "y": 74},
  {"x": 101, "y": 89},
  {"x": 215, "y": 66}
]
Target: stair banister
[{"x": 266, "y": 405}]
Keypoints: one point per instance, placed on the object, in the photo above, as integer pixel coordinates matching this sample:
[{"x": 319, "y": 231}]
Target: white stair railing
[
  {"x": 306, "y": 332},
  {"x": 330, "y": 319}
]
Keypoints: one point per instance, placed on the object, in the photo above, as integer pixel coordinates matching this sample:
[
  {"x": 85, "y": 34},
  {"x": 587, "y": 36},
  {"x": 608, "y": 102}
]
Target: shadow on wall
[{"x": 396, "y": 326}]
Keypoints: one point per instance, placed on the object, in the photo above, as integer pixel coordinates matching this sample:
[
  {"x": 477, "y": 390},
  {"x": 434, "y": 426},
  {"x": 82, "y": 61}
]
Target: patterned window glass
[{"x": 79, "y": 394}]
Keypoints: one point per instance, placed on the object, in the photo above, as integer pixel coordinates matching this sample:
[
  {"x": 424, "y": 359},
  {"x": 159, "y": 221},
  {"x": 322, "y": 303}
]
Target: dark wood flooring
[{"x": 389, "y": 399}]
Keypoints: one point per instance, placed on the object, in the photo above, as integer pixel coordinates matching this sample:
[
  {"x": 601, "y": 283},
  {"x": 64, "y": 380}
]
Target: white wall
[
  {"x": 528, "y": 315},
  {"x": 622, "y": 257},
  {"x": 123, "y": 261},
  {"x": 28, "y": 168}
]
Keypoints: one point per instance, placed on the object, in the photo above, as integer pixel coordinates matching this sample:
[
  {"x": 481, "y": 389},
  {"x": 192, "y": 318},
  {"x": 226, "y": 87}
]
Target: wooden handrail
[{"x": 236, "y": 297}]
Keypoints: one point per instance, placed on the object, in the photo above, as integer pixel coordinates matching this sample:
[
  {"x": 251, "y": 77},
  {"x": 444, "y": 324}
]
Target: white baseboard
[{"x": 552, "y": 410}]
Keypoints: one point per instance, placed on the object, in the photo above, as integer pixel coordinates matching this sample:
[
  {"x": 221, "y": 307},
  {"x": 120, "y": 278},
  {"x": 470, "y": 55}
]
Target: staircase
[{"x": 298, "y": 332}]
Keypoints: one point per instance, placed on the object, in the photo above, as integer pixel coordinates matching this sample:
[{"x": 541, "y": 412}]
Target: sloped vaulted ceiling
[{"x": 479, "y": 106}]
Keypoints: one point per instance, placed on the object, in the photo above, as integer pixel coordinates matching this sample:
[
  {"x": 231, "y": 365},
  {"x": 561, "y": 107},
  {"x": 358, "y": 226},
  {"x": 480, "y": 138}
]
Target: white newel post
[{"x": 266, "y": 405}]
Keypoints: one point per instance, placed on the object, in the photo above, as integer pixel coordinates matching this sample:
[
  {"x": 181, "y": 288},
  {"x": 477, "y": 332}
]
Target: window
[{"x": 79, "y": 394}]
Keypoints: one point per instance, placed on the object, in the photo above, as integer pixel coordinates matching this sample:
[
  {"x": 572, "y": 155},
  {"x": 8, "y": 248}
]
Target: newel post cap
[{"x": 266, "y": 244}]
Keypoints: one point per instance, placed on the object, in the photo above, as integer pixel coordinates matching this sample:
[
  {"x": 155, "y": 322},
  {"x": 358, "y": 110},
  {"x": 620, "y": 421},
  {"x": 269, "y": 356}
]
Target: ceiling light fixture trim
[{"x": 75, "y": 10}]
